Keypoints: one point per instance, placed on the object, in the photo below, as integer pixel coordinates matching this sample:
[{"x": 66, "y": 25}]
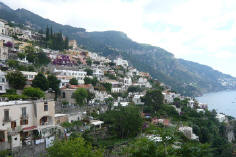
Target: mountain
[
  {"x": 22, "y": 16},
  {"x": 186, "y": 77}
]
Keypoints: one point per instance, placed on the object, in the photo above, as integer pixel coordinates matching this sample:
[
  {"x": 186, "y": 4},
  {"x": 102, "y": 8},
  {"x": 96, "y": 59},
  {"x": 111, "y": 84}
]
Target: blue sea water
[{"x": 222, "y": 102}]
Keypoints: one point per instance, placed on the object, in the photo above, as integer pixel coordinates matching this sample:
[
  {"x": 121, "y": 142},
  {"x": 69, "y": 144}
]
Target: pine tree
[
  {"x": 66, "y": 43},
  {"x": 47, "y": 33}
]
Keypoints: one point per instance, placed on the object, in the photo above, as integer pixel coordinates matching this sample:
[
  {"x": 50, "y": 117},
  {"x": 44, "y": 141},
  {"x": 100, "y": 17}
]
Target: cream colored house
[
  {"x": 3, "y": 53},
  {"x": 21, "y": 118},
  {"x": 2, "y": 26},
  {"x": 3, "y": 82},
  {"x": 73, "y": 44}
]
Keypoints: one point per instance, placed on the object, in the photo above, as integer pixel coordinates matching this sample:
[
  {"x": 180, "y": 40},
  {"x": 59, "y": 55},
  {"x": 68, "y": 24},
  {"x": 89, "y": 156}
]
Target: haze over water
[{"x": 222, "y": 102}]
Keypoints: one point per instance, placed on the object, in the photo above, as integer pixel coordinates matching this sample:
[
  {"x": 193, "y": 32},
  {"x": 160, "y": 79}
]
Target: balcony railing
[
  {"x": 6, "y": 119},
  {"x": 24, "y": 117}
]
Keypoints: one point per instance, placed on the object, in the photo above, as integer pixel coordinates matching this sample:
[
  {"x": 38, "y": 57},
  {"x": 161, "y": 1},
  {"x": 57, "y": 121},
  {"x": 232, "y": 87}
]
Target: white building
[
  {"x": 137, "y": 99},
  {"x": 29, "y": 75},
  {"x": 116, "y": 89},
  {"x": 6, "y": 39},
  {"x": 121, "y": 62},
  {"x": 191, "y": 103},
  {"x": 3, "y": 82},
  {"x": 143, "y": 82},
  {"x": 188, "y": 132},
  {"x": 26, "y": 35},
  {"x": 132, "y": 72},
  {"x": 101, "y": 95},
  {"x": 98, "y": 73},
  {"x": 68, "y": 74},
  {"x": 170, "y": 96},
  {"x": 2, "y": 26},
  {"x": 123, "y": 104},
  {"x": 221, "y": 117},
  {"x": 24, "y": 60},
  {"x": 200, "y": 110},
  {"x": 127, "y": 82},
  {"x": 3, "y": 53}
]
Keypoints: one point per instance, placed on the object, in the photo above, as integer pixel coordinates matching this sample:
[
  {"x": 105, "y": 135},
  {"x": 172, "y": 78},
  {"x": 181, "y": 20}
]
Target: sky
[{"x": 203, "y": 31}]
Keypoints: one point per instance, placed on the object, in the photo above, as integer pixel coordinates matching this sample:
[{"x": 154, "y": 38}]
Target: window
[
  {"x": 13, "y": 124},
  {"x": 63, "y": 95},
  {"x": 23, "y": 109},
  {"x": 23, "y": 121},
  {"x": 6, "y": 115},
  {"x": 45, "y": 107},
  {"x": 0, "y": 87}
]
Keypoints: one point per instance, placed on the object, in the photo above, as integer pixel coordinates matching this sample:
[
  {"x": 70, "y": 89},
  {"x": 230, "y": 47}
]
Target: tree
[
  {"x": 107, "y": 86},
  {"x": 142, "y": 147},
  {"x": 33, "y": 92},
  {"x": 153, "y": 99},
  {"x": 13, "y": 63},
  {"x": 89, "y": 71},
  {"x": 73, "y": 81},
  {"x": 191, "y": 149},
  {"x": 77, "y": 147},
  {"x": 90, "y": 96},
  {"x": 80, "y": 96},
  {"x": 47, "y": 34},
  {"x": 87, "y": 80},
  {"x": 30, "y": 54},
  {"x": 16, "y": 79},
  {"x": 124, "y": 122},
  {"x": 92, "y": 81},
  {"x": 21, "y": 55},
  {"x": 66, "y": 43},
  {"x": 40, "y": 81},
  {"x": 53, "y": 83},
  {"x": 89, "y": 62},
  {"x": 134, "y": 89},
  {"x": 109, "y": 102},
  {"x": 41, "y": 58}
]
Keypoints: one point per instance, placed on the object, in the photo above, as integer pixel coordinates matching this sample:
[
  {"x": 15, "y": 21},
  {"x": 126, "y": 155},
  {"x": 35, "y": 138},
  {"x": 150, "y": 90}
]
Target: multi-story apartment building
[
  {"x": 3, "y": 82},
  {"x": 64, "y": 75},
  {"x": 19, "y": 120}
]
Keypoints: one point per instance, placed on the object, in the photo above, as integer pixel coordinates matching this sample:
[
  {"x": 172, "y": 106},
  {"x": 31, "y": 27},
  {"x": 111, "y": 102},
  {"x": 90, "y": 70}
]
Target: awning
[{"x": 30, "y": 128}]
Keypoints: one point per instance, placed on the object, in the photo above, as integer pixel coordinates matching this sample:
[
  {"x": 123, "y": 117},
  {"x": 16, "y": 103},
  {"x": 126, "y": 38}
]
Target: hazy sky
[{"x": 198, "y": 30}]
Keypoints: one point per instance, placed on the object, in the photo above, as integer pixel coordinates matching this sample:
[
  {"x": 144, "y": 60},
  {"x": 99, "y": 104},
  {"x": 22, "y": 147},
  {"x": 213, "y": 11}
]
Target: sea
[{"x": 222, "y": 102}]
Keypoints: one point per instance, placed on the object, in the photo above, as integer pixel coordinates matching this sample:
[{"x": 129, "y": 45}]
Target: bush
[
  {"x": 73, "y": 81},
  {"x": 33, "y": 92}
]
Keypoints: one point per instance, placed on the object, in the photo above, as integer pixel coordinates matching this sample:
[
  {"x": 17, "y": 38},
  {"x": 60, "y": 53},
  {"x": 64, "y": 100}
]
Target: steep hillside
[{"x": 186, "y": 77}]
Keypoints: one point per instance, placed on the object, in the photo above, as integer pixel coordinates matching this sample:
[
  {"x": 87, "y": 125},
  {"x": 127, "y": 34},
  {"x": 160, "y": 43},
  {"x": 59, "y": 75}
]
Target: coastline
[{"x": 222, "y": 101}]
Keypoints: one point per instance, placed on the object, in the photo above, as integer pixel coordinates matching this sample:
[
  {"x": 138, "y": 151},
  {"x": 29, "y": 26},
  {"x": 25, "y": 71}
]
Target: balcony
[
  {"x": 6, "y": 120},
  {"x": 24, "y": 117}
]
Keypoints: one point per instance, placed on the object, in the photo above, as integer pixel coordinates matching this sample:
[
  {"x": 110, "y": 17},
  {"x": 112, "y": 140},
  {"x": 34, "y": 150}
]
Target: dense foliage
[
  {"x": 73, "y": 81},
  {"x": 153, "y": 100},
  {"x": 53, "y": 83},
  {"x": 34, "y": 93},
  {"x": 36, "y": 57},
  {"x": 55, "y": 41},
  {"x": 80, "y": 96},
  {"x": 40, "y": 81},
  {"x": 124, "y": 121},
  {"x": 16, "y": 79},
  {"x": 77, "y": 147}
]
